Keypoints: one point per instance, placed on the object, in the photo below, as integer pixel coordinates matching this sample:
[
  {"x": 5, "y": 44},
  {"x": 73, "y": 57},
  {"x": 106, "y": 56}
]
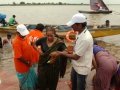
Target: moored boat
[
  {"x": 63, "y": 29},
  {"x": 97, "y": 7},
  {"x": 96, "y": 12}
]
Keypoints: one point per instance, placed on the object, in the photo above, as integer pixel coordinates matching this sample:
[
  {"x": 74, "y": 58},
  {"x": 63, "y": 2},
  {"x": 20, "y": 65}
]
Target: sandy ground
[
  {"x": 112, "y": 44},
  {"x": 9, "y": 81}
]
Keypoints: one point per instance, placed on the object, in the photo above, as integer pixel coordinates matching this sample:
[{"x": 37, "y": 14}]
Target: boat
[
  {"x": 96, "y": 32},
  {"x": 96, "y": 12},
  {"x": 97, "y": 7},
  {"x": 8, "y": 29},
  {"x": 63, "y": 29}
]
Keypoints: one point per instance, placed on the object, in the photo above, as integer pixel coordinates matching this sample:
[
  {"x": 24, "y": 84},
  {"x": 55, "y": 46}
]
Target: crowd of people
[{"x": 41, "y": 59}]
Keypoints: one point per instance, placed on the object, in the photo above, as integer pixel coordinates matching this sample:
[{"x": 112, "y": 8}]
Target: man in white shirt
[{"x": 82, "y": 53}]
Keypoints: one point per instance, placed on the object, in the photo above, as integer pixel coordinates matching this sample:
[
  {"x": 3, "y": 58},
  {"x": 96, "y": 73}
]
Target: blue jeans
[{"x": 78, "y": 81}]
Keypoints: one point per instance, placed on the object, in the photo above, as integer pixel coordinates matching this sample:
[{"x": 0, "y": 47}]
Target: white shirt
[{"x": 83, "y": 48}]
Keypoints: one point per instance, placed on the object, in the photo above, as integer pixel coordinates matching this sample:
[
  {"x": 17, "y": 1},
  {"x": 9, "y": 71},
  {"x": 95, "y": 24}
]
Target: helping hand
[
  {"x": 69, "y": 49},
  {"x": 53, "y": 58}
]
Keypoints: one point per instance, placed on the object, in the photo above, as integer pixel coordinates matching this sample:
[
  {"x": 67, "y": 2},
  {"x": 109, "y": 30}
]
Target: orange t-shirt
[
  {"x": 22, "y": 48},
  {"x": 33, "y": 36}
]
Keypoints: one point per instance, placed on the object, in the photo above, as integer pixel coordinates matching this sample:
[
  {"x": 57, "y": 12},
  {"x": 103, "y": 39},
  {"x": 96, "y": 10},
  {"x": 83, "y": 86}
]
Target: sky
[{"x": 65, "y": 1}]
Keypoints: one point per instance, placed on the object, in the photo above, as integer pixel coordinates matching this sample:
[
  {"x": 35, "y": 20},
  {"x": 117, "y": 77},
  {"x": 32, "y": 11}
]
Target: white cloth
[{"x": 83, "y": 48}]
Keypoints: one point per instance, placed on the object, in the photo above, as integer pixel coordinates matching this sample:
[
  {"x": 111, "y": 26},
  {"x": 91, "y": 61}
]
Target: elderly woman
[
  {"x": 50, "y": 65},
  {"x": 106, "y": 66}
]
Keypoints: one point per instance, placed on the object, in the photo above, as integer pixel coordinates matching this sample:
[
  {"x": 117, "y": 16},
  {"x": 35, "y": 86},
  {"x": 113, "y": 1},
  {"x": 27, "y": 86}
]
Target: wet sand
[
  {"x": 112, "y": 44},
  {"x": 9, "y": 80}
]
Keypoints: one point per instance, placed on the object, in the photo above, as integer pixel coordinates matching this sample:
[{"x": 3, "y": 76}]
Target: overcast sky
[{"x": 66, "y": 1}]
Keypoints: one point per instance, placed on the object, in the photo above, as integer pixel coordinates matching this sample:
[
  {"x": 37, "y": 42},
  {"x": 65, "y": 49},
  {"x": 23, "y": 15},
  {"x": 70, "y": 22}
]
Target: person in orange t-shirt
[
  {"x": 34, "y": 35},
  {"x": 23, "y": 59}
]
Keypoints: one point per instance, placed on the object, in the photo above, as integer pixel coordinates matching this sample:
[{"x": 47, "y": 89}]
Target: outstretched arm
[{"x": 71, "y": 56}]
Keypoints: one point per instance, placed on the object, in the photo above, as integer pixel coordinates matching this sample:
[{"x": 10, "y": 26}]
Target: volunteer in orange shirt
[
  {"x": 23, "y": 59},
  {"x": 34, "y": 35}
]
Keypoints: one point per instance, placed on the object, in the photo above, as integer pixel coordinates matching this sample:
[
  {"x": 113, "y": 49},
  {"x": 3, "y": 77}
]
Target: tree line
[{"x": 49, "y": 3}]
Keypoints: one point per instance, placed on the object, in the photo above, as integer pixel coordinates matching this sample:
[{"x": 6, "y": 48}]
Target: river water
[{"x": 57, "y": 14}]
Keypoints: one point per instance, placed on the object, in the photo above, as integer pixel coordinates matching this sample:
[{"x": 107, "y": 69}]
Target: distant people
[
  {"x": 12, "y": 21},
  {"x": 1, "y": 45},
  {"x": 7, "y": 46},
  {"x": 105, "y": 65},
  {"x": 2, "y": 20},
  {"x": 8, "y": 39},
  {"x": 100, "y": 8},
  {"x": 1, "y": 48},
  {"x": 23, "y": 57},
  {"x": 107, "y": 23}
]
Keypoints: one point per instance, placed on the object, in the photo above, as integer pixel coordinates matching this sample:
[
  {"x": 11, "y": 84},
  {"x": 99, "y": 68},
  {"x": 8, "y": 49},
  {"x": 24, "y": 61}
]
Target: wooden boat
[
  {"x": 104, "y": 32},
  {"x": 97, "y": 32},
  {"x": 97, "y": 7},
  {"x": 63, "y": 29},
  {"x": 96, "y": 12},
  {"x": 7, "y": 29}
]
